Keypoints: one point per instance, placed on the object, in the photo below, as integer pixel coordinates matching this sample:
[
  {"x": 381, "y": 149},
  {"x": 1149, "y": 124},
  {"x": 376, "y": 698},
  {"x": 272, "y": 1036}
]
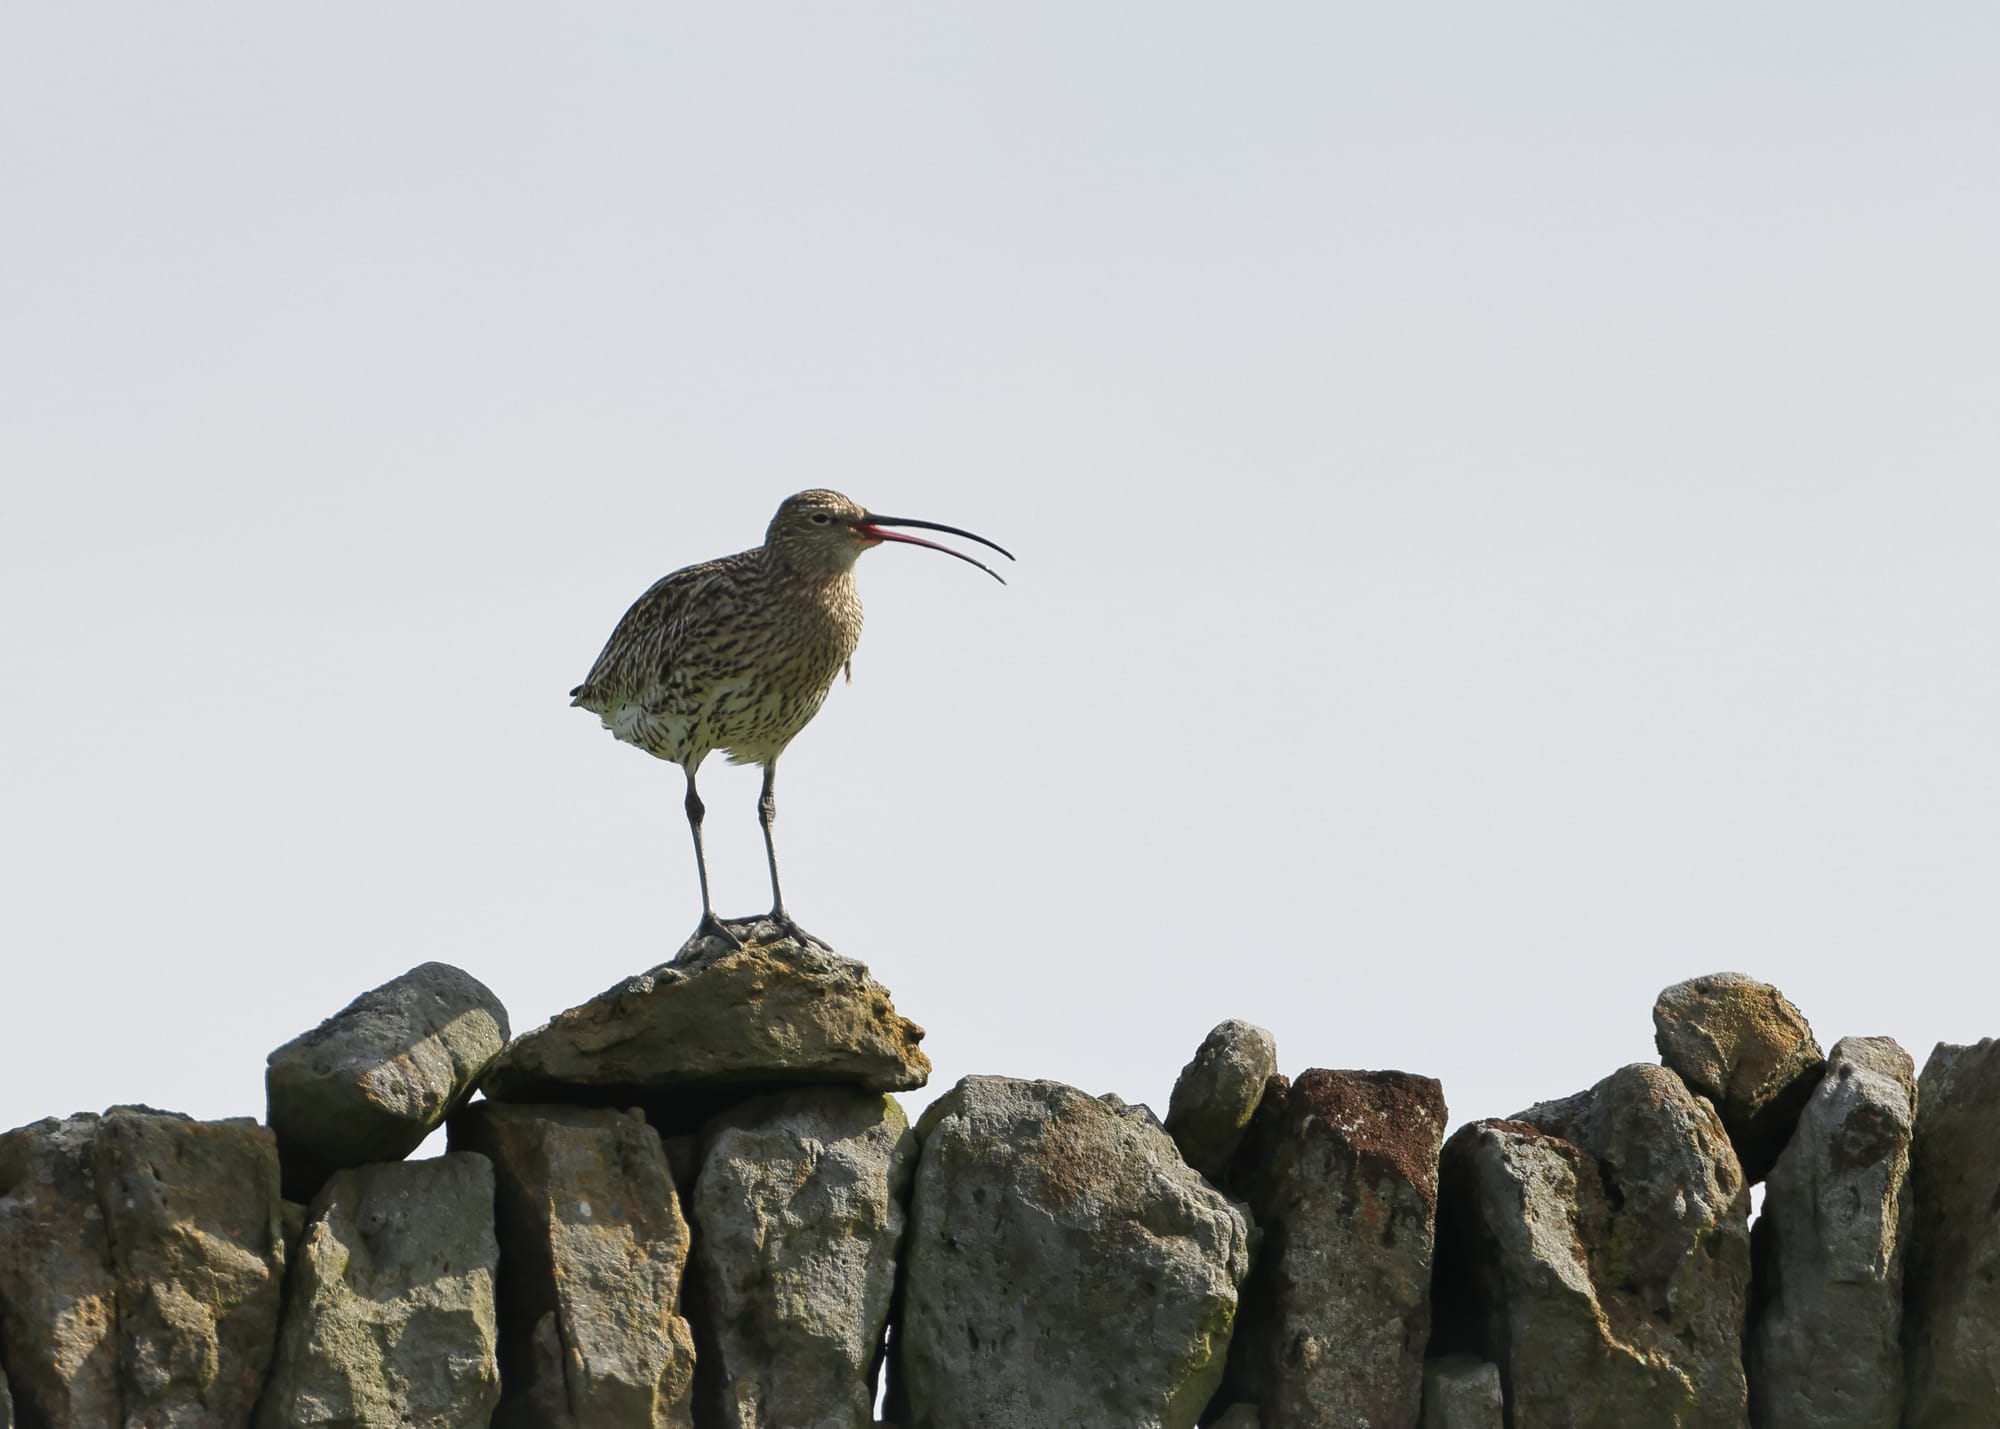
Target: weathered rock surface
[
  {"x": 1952, "y": 1309},
  {"x": 1825, "y": 1348},
  {"x": 1064, "y": 1267},
  {"x": 197, "y": 1249},
  {"x": 6, "y": 1403},
  {"x": 1340, "y": 1172},
  {"x": 140, "y": 1266},
  {"x": 372, "y": 1081},
  {"x": 58, "y": 1296},
  {"x": 1741, "y": 1044},
  {"x": 1239, "y": 1416},
  {"x": 389, "y": 1316},
  {"x": 798, "y": 1215},
  {"x": 1217, "y": 1094},
  {"x": 593, "y": 1248},
  {"x": 1600, "y": 1245},
  {"x": 771, "y": 1014},
  {"x": 1462, "y": 1392}
]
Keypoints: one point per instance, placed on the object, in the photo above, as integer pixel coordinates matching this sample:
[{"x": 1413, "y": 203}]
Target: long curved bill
[{"x": 871, "y": 526}]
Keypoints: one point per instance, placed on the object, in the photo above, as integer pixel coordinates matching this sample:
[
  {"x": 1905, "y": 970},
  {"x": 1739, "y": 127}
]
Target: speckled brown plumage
[
  {"x": 738, "y": 654},
  {"x": 735, "y": 654}
]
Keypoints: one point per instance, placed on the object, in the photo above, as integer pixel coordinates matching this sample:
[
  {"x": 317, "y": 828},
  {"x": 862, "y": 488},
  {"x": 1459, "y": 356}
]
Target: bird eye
[{"x": 820, "y": 518}]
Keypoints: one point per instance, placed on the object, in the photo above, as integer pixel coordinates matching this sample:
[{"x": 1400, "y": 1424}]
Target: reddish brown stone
[{"x": 1340, "y": 1171}]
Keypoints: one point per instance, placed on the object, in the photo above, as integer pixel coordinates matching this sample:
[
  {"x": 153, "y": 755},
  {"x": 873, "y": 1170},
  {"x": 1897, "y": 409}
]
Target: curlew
[{"x": 738, "y": 654}]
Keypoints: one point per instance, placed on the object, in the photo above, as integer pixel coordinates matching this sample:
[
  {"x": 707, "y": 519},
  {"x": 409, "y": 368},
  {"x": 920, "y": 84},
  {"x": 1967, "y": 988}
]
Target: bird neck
[{"x": 818, "y": 575}]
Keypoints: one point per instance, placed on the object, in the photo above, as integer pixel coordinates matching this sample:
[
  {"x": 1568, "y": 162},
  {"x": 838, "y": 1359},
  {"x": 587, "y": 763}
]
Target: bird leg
[
  {"x": 710, "y": 924},
  {"x": 767, "y": 814}
]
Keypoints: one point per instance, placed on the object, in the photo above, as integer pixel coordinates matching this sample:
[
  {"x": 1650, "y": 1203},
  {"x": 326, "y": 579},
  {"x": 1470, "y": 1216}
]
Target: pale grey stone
[
  {"x": 1952, "y": 1309},
  {"x": 389, "y": 1313},
  {"x": 593, "y": 1247},
  {"x": 1064, "y": 1267},
  {"x": 140, "y": 1269},
  {"x": 1340, "y": 1172},
  {"x": 798, "y": 1215},
  {"x": 1825, "y": 1348},
  {"x": 1743, "y": 1045},
  {"x": 372, "y": 1081},
  {"x": 1600, "y": 1247},
  {"x": 1462, "y": 1392},
  {"x": 1217, "y": 1094}
]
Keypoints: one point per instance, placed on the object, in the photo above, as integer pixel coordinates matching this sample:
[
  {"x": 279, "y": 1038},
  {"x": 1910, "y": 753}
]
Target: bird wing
[{"x": 649, "y": 639}]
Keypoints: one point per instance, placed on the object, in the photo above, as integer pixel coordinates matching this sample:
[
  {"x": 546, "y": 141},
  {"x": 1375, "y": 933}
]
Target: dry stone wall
[{"x": 694, "y": 1203}]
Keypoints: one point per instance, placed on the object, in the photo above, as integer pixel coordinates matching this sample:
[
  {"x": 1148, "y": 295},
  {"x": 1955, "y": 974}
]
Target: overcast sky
[{"x": 1506, "y": 501}]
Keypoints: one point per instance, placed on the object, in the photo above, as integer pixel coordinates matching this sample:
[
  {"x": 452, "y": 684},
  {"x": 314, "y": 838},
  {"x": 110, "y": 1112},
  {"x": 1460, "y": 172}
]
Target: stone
[
  {"x": 1741, "y": 1044},
  {"x": 1238, "y": 1416},
  {"x": 197, "y": 1248},
  {"x": 683, "y": 1162},
  {"x": 1597, "y": 1250},
  {"x": 6, "y": 1403},
  {"x": 1063, "y": 1267},
  {"x": 292, "y": 1227},
  {"x": 1217, "y": 1094},
  {"x": 798, "y": 1215},
  {"x": 140, "y": 1269},
  {"x": 1462, "y": 1392},
  {"x": 593, "y": 1246},
  {"x": 376, "y": 1078},
  {"x": 1825, "y": 1348},
  {"x": 58, "y": 1295},
  {"x": 1340, "y": 1173},
  {"x": 1952, "y": 1307},
  {"x": 389, "y": 1315},
  {"x": 726, "y": 1022}
]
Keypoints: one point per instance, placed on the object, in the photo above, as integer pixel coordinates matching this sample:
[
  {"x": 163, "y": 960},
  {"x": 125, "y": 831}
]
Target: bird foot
[
  {"x": 713, "y": 938},
  {"x": 793, "y": 930},
  {"x": 713, "y": 927}
]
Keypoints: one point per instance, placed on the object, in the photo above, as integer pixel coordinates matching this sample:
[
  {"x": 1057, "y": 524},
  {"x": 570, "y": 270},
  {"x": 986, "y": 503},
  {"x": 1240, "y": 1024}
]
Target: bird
[{"x": 739, "y": 653}]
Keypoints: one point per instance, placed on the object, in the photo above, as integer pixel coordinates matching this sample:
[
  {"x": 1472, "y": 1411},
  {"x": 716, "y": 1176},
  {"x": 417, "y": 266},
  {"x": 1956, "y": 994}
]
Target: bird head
[{"x": 823, "y": 530}]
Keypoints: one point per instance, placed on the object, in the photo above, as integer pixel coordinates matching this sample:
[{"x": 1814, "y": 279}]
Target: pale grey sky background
[{"x": 1506, "y": 500}]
